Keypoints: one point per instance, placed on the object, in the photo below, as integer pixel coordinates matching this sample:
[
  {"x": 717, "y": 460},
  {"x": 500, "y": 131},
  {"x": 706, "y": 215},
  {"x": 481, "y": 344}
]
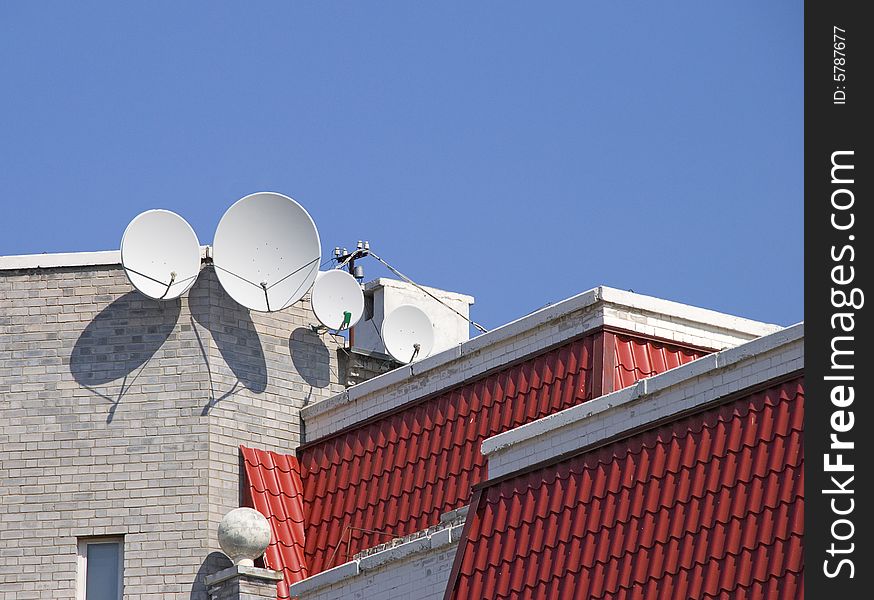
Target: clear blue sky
[{"x": 518, "y": 151}]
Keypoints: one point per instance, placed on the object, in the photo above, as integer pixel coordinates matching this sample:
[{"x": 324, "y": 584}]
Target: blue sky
[{"x": 520, "y": 152}]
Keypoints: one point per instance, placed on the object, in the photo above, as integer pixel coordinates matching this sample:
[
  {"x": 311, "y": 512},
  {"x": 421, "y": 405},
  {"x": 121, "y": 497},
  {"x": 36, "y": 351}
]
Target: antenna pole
[{"x": 347, "y": 259}]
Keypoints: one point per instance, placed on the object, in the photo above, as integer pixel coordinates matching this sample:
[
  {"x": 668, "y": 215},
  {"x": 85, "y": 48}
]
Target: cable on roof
[{"x": 411, "y": 282}]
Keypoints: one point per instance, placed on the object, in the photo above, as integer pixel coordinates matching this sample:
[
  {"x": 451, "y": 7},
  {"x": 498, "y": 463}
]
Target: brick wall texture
[
  {"x": 120, "y": 415},
  {"x": 243, "y": 587},
  {"x": 362, "y": 367},
  {"x": 421, "y": 576}
]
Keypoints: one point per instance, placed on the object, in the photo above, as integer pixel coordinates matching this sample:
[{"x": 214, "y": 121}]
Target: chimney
[{"x": 383, "y": 295}]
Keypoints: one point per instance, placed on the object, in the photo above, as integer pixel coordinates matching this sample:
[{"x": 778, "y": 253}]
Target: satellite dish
[
  {"x": 407, "y": 333},
  {"x": 266, "y": 251},
  {"x": 337, "y": 299},
  {"x": 160, "y": 254}
]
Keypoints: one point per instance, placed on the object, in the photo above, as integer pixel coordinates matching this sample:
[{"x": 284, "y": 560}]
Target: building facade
[
  {"x": 121, "y": 418},
  {"x": 388, "y": 466},
  {"x": 131, "y": 427}
]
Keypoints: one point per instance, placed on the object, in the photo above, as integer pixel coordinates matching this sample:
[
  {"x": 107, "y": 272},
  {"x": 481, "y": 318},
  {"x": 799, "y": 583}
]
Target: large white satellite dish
[
  {"x": 160, "y": 254},
  {"x": 266, "y": 251},
  {"x": 407, "y": 333},
  {"x": 337, "y": 299}
]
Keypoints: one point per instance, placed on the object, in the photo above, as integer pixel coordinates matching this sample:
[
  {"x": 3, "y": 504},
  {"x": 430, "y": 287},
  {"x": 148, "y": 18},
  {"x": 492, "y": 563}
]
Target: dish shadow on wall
[
  {"x": 119, "y": 342},
  {"x": 213, "y": 563},
  {"x": 234, "y": 335},
  {"x": 310, "y": 356}
]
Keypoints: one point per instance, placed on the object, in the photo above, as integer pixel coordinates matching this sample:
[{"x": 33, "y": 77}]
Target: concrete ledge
[
  {"x": 242, "y": 571},
  {"x": 436, "y": 360},
  {"x": 436, "y": 538},
  {"x": 71, "y": 259},
  {"x": 750, "y": 349},
  {"x": 532, "y": 333},
  {"x": 678, "y": 375},
  {"x": 530, "y": 321},
  {"x": 68, "y": 259},
  {"x": 325, "y": 578},
  {"x": 709, "y": 378},
  {"x": 372, "y": 561},
  {"x": 354, "y": 393},
  {"x": 685, "y": 312},
  {"x": 459, "y": 514}
]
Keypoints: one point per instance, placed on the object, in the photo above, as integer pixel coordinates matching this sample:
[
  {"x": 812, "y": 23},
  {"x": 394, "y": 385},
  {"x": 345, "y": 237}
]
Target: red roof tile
[
  {"x": 708, "y": 506},
  {"x": 273, "y": 488},
  {"x": 637, "y": 359},
  {"x": 398, "y": 473}
]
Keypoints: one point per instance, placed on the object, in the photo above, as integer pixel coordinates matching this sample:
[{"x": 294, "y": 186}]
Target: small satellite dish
[
  {"x": 266, "y": 251},
  {"x": 160, "y": 254},
  {"x": 337, "y": 299},
  {"x": 407, "y": 333}
]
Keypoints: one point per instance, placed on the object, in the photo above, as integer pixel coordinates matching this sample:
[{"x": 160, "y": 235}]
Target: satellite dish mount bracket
[
  {"x": 266, "y": 296},
  {"x": 169, "y": 285}
]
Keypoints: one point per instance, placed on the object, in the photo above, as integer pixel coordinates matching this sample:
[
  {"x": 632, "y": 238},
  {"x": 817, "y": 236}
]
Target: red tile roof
[
  {"x": 637, "y": 359},
  {"x": 397, "y": 474},
  {"x": 708, "y": 506},
  {"x": 274, "y": 489}
]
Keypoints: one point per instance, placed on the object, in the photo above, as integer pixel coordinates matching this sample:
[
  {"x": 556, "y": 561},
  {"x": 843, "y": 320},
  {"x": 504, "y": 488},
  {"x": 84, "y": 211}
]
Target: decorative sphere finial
[{"x": 243, "y": 535}]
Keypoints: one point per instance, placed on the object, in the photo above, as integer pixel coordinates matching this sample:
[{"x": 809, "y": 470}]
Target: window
[{"x": 101, "y": 562}]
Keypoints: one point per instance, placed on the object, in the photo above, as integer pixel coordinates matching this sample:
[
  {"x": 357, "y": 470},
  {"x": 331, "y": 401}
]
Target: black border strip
[{"x": 838, "y": 170}]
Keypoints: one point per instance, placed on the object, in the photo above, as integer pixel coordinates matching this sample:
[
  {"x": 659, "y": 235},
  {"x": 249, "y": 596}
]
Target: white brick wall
[
  {"x": 535, "y": 332},
  {"x": 417, "y": 569},
  {"x": 163, "y": 471},
  {"x": 686, "y": 387}
]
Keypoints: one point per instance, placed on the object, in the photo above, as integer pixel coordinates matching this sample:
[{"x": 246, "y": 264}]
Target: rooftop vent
[{"x": 382, "y": 296}]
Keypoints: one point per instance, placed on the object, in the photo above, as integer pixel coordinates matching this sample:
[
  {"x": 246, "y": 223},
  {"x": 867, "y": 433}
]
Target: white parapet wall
[
  {"x": 416, "y": 566},
  {"x": 650, "y": 400},
  {"x": 450, "y": 329},
  {"x": 533, "y": 333},
  {"x": 67, "y": 259}
]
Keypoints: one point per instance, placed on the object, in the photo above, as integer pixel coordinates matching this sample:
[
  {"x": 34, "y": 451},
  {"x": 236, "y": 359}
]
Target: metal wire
[
  {"x": 352, "y": 256},
  {"x": 172, "y": 282},
  {"x": 349, "y": 529},
  {"x": 411, "y": 282},
  {"x": 215, "y": 266},
  {"x": 299, "y": 269}
]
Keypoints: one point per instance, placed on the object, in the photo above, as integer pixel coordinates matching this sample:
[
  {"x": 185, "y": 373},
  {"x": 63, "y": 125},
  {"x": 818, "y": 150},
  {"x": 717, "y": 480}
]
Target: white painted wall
[
  {"x": 416, "y": 568},
  {"x": 388, "y": 294}
]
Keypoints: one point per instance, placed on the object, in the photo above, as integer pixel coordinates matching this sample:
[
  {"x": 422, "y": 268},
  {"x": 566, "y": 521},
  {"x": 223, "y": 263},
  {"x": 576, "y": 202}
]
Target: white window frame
[{"x": 82, "y": 562}]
